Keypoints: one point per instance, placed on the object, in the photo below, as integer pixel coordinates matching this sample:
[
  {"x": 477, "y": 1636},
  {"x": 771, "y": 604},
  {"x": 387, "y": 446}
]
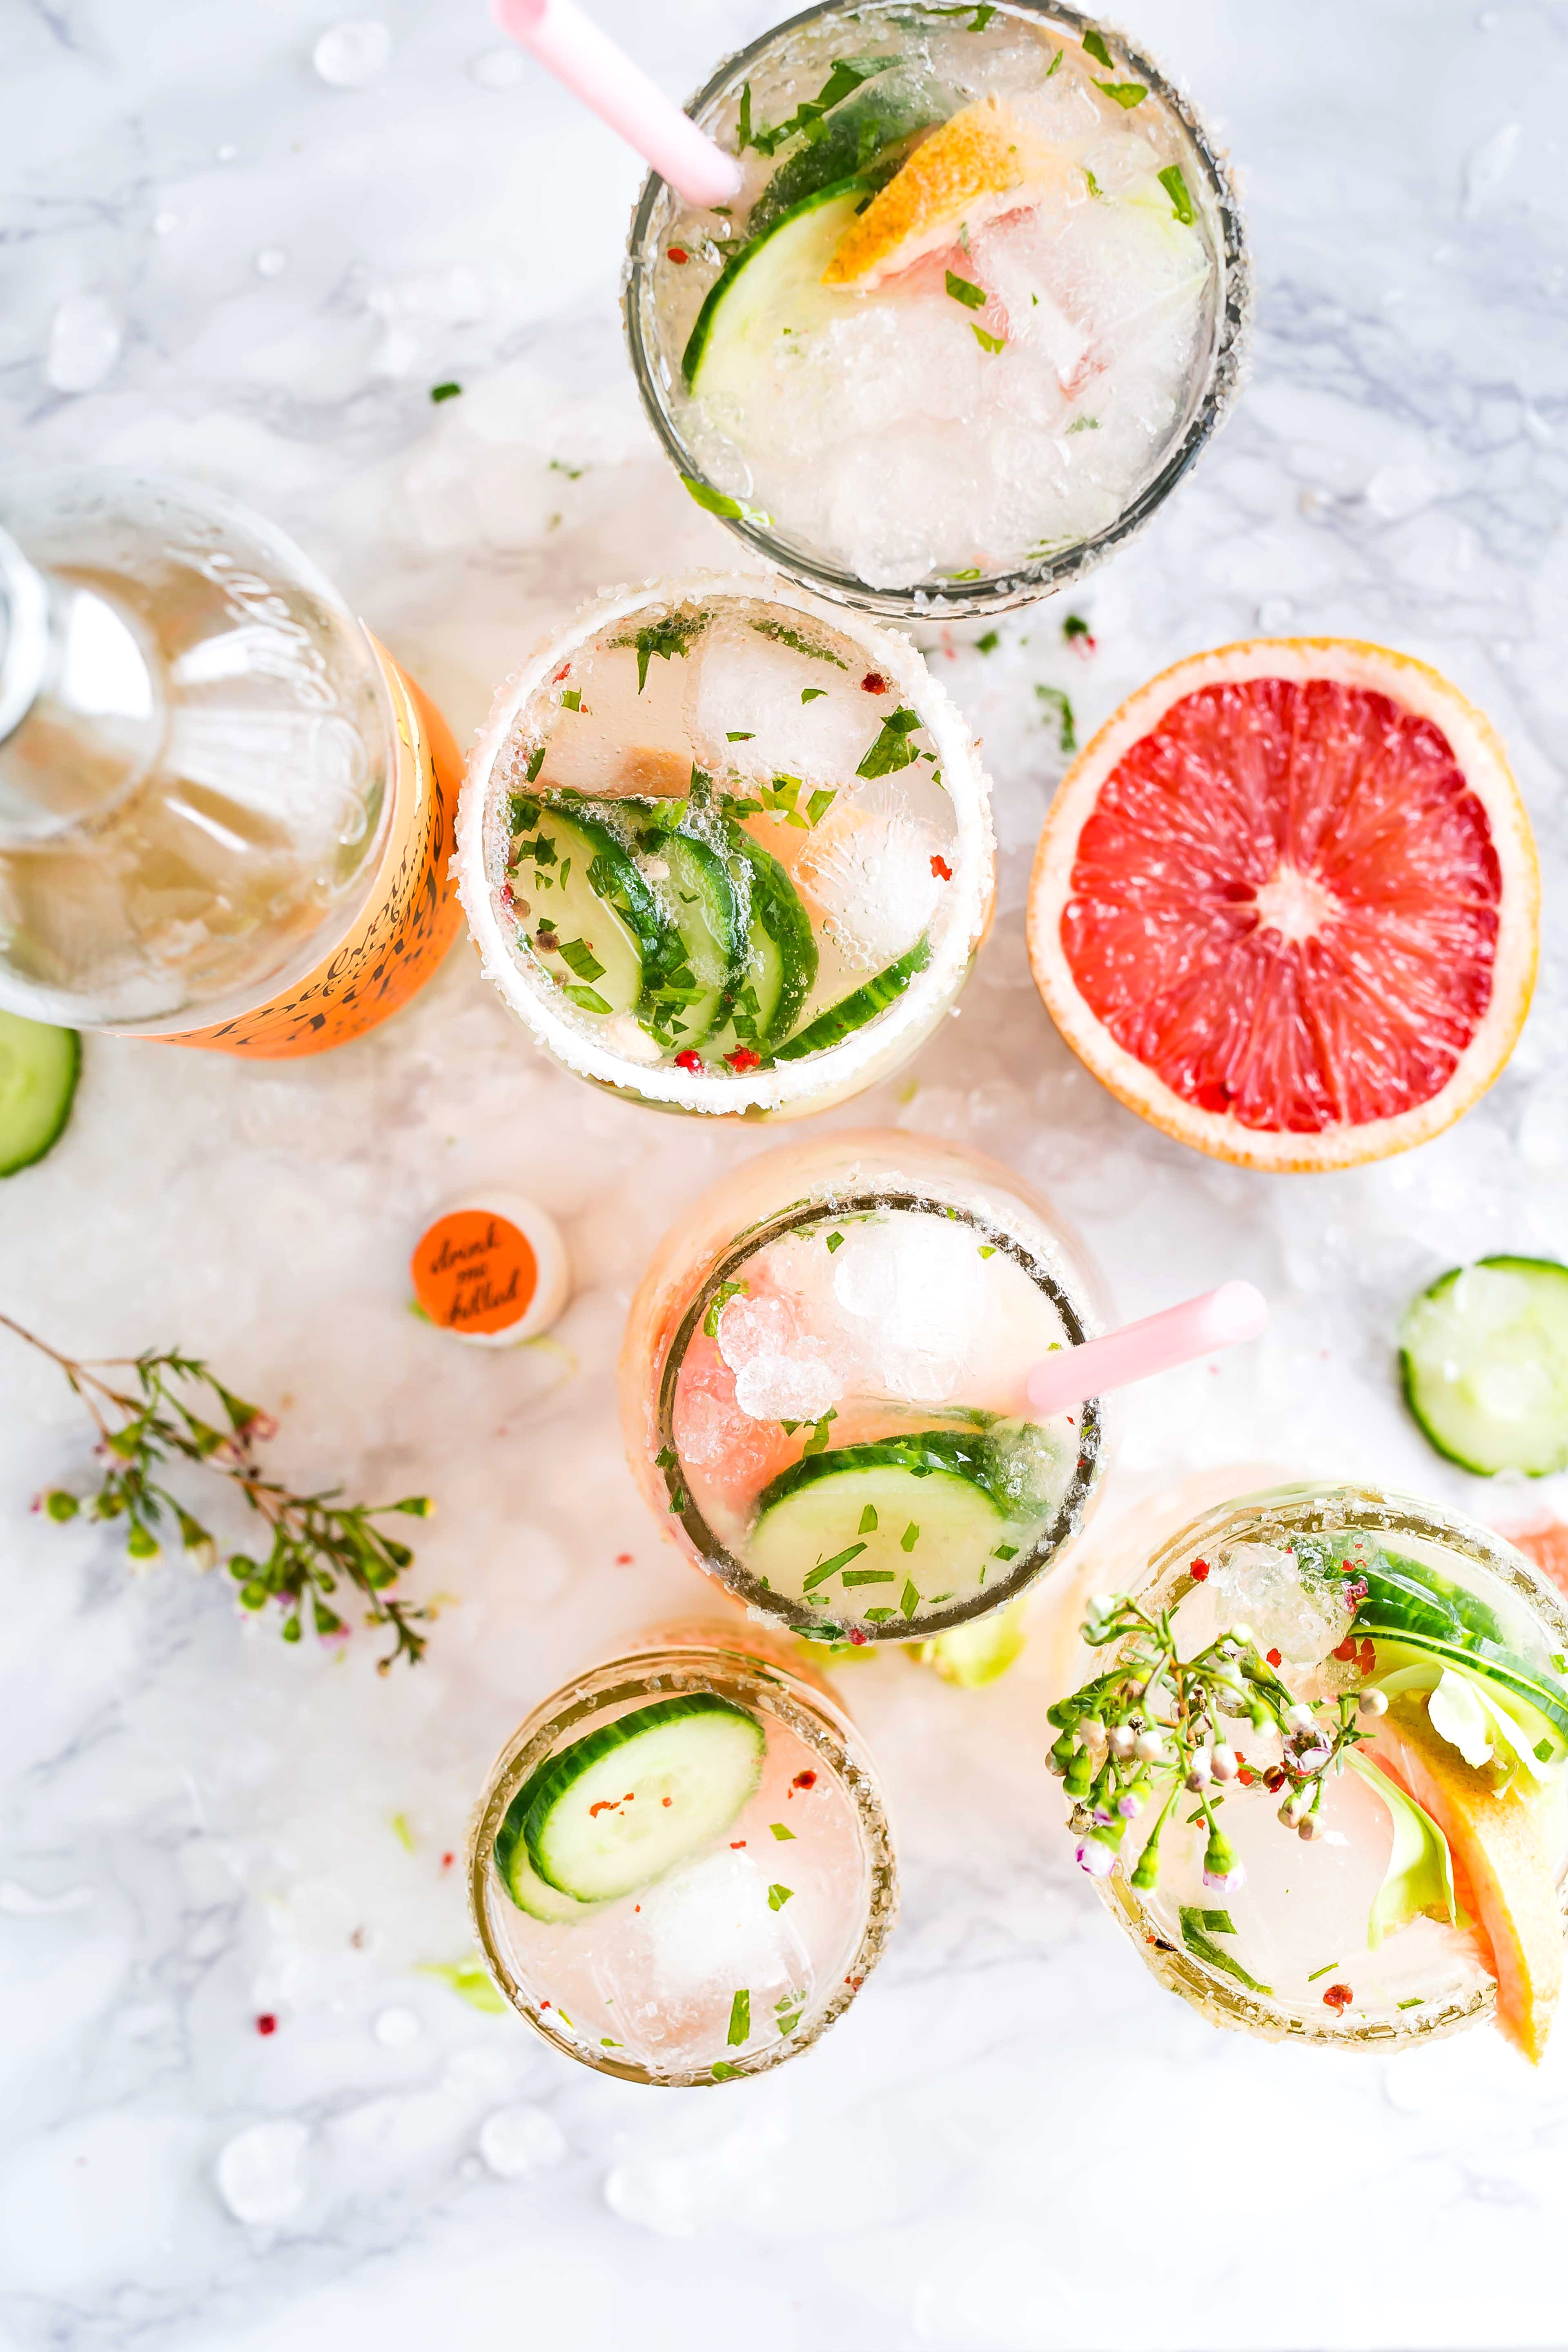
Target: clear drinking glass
[
  {"x": 822, "y": 1386},
  {"x": 1059, "y": 325},
  {"x": 725, "y": 851},
  {"x": 1294, "y": 1961},
  {"x": 743, "y": 1951}
]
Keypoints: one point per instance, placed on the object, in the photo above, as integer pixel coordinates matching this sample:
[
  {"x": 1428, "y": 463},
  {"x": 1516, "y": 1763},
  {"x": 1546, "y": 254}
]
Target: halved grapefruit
[{"x": 1285, "y": 903}]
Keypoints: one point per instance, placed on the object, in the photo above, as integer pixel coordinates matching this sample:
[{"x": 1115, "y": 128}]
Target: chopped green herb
[
  {"x": 606, "y": 2043},
  {"x": 588, "y": 999},
  {"x": 469, "y": 1981},
  {"x": 718, "y": 502},
  {"x": 892, "y": 749},
  {"x": 1202, "y": 1947},
  {"x": 827, "y": 1567},
  {"x": 1094, "y": 42},
  {"x": 973, "y": 573},
  {"x": 572, "y": 472},
  {"x": 1127, "y": 94},
  {"x": 440, "y": 392},
  {"x": 987, "y": 1249},
  {"x": 877, "y": 1616},
  {"x": 867, "y": 1520},
  {"x": 401, "y": 1832},
  {"x": 665, "y": 1460},
  {"x": 988, "y": 343},
  {"x": 978, "y": 18},
  {"x": 722, "y": 2071},
  {"x": 667, "y": 640},
  {"x": 1083, "y": 425},
  {"x": 818, "y": 1442},
  {"x": 819, "y": 804},
  {"x": 581, "y": 957},
  {"x": 964, "y": 290},
  {"x": 812, "y": 693},
  {"x": 1322, "y": 1971},
  {"x": 739, "y": 736},
  {"x": 1075, "y": 625},
  {"x": 834, "y": 1241},
  {"x": 1005, "y": 1552},
  {"x": 783, "y": 634},
  {"x": 910, "y": 1537},
  {"x": 535, "y": 762},
  {"x": 908, "y": 1600},
  {"x": 572, "y": 698},
  {"x": 778, "y": 1897},
  {"x": 1175, "y": 187},
  {"x": 740, "y": 2020},
  {"x": 989, "y": 642},
  {"x": 1218, "y": 1923},
  {"x": 1416, "y": 2000},
  {"x": 779, "y": 1830},
  {"x": 717, "y": 1304},
  {"x": 1094, "y": 187},
  {"x": 867, "y": 1575},
  {"x": 1059, "y": 702},
  {"x": 1055, "y": 63}
]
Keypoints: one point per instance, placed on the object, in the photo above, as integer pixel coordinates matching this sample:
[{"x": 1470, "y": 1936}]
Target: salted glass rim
[
  {"x": 1310, "y": 1507},
  {"x": 1019, "y": 583},
  {"x": 738, "y": 1674}
]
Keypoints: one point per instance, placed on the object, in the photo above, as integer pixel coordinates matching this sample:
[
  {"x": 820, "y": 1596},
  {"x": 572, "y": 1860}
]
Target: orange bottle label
[
  {"x": 410, "y": 920},
  {"x": 475, "y": 1272}
]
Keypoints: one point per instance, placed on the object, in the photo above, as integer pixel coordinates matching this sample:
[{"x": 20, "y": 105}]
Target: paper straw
[
  {"x": 602, "y": 75},
  {"x": 1220, "y": 1318}
]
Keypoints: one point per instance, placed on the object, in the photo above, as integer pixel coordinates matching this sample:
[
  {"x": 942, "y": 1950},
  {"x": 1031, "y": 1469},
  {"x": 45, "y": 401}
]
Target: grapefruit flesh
[{"x": 1288, "y": 913}]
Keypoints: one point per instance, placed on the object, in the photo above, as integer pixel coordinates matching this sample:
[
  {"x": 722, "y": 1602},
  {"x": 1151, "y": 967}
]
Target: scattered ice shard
[
  {"x": 353, "y": 53},
  {"x": 520, "y": 2139},
  {"x": 261, "y": 2171},
  {"x": 84, "y": 344},
  {"x": 869, "y": 867}
]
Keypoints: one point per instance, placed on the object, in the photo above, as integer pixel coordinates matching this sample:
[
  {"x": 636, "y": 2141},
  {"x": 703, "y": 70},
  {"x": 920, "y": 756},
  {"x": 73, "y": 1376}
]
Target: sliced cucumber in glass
[
  {"x": 523, "y": 1883},
  {"x": 775, "y": 281},
  {"x": 594, "y": 923},
  {"x": 781, "y": 952},
  {"x": 708, "y": 920},
  {"x": 855, "y": 1527},
  {"x": 866, "y": 134},
  {"x": 853, "y": 1011},
  {"x": 39, "y": 1070},
  {"x": 1484, "y": 1359},
  {"x": 618, "y": 1808}
]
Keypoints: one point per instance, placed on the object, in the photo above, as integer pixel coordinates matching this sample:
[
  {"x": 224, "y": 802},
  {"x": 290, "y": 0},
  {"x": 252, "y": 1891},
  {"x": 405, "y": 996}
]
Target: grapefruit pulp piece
[
  {"x": 982, "y": 161},
  {"x": 1501, "y": 1873},
  {"x": 1285, "y": 903}
]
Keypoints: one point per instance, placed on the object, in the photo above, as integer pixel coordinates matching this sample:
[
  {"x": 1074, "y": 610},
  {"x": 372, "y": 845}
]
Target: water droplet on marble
[
  {"x": 261, "y": 2171},
  {"x": 353, "y": 53},
  {"x": 498, "y": 69},
  {"x": 1274, "y": 615},
  {"x": 166, "y": 224},
  {"x": 84, "y": 344},
  {"x": 271, "y": 261},
  {"x": 520, "y": 2139},
  {"x": 395, "y": 2029},
  {"x": 227, "y": 152}
]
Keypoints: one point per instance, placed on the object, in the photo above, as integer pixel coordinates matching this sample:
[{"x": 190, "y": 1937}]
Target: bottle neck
[{"x": 81, "y": 709}]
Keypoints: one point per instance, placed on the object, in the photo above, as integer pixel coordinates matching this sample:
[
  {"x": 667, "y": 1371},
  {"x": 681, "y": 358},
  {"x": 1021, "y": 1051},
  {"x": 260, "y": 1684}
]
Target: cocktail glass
[
  {"x": 725, "y": 851},
  {"x": 747, "y": 1946},
  {"x": 822, "y": 1387},
  {"x": 1049, "y": 328},
  {"x": 1286, "y": 1953}
]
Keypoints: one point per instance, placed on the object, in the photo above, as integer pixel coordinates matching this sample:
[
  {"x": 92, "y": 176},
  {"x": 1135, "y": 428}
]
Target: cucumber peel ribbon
[{"x": 1419, "y": 1880}]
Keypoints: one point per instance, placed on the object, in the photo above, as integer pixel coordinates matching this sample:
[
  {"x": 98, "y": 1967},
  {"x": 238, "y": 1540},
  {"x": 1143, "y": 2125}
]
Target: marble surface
[{"x": 216, "y": 260}]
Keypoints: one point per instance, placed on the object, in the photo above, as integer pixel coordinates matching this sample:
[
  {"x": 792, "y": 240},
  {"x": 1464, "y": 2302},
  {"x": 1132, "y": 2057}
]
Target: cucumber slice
[
  {"x": 617, "y": 1808},
  {"x": 772, "y": 282},
  {"x": 604, "y": 931},
  {"x": 780, "y": 960},
  {"x": 523, "y": 1883},
  {"x": 1484, "y": 1359},
  {"x": 707, "y": 915},
  {"x": 835, "y": 1528},
  {"x": 39, "y": 1066},
  {"x": 873, "y": 127},
  {"x": 853, "y": 1011}
]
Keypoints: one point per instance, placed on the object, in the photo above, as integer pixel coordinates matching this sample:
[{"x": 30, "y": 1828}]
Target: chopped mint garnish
[
  {"x": 989, "y": 642},
  {"x": 737, "y": 735},
  {"x": 718, "y": 502},
  {"x": 1322, "y": 1971},
  {"x": 1055, "y": 63},
  {"x": 719, "y": 1300},
  {"x": 1127, "y": 94},
  {"x": 572, "y": 698},
  {"x": 973, "y": 573},
  {"x": 440, "y": 392},
  {"x": 1075, "y": 625},
  {"x": 892, "y": 749},
  {"x": 743, "y": 122},
  {"x": 964, "y": 290},
  {"x": 1094, "y": 42},
  {"x": 988, "y": 343},
  {"x": 783, "y": 634},
  {"x": 1095, "y": 189},
  {"x": 1202, "y": 1947},
  {"x": 1218, "y": 1923},
  {"x": 779, "y": 1830},
  {"x": 572, "y": 472},
  {"x": 722, "y": 2071},
  {"x": 908, "y": 1600},
  {"x": 401, "y": 1833},
  {"x": 819, "y": 804},
  {"x": 1005, "y": 1552},
  {"x": 867, "y": 1520},
  {"x": 812, "y": 693},
  {"x": 827, "y": 1567},
  {"x": 818, "y": 1442},
  {"x": 667, "y": 639},
  {"x": 848, "y": 75},
  {"x": 666, "y": 1460},
  {"x": 834, "y": 1241},
  {"x": 580, "y": 957},
  {"x": 535, "y": 762},
  {"x": 987, "y": 1249},
  {"x": 1416, "y": 2000},
  {"x": 910, "y": 1537},
  {"x": 740, "y": 2020},
  {"x": 867, "y": 1575},
  {"x": 1084, "y": 425},
  {"x": 778, "y": 1897},
  {"x": 978, "y": 18},
  {"x": 1059, "y": 702},
  {"x": 1175, "y": 187},
  {"x": 588, "y": 999}
]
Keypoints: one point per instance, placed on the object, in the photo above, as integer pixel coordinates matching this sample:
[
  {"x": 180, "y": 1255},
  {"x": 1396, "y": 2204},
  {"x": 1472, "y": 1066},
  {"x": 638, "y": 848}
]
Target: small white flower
[
  {"x": 1123, "y": 1739},
  {"x": 1094, "y": 1857},
  {"x": 1225, "y": 1763},
  {"x": 1300, "y": 1717},
  {"x": 1149, "y": 1748},
  {"x": 1372, "y": 1702},
  {"x": 1227, "y": 1882}
]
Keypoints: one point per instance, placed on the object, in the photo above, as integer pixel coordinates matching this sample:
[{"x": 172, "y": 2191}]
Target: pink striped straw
[
  {"x": 602, "y": 75},
  {"x": 1220, "y": 1318}
]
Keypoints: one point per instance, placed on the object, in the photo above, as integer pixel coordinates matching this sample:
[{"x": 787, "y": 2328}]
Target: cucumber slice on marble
[
  {"x": 853, "y": 1011},
  {"x": 594, "y": 923},
  {"x": 621, "y": 1806},
  {"x": 775, "y": 281},
  {"x": 39, "y": 1066},
  {"x": 867, "y": 135},
  {"x": 836, "y": 1528},
  {"x": 1484, "y": 1359},
  {"x": 780, "y": 967}
]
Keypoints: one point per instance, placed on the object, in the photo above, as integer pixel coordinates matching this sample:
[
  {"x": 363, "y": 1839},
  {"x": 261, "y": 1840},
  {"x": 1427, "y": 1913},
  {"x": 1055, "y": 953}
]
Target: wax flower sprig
[
  {"x": 318, "y": 1545},
  {"x": 1155, "y": 1727}
]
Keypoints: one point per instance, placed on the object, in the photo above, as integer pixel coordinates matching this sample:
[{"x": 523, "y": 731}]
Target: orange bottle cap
[{"x": 492, "y": 1270}]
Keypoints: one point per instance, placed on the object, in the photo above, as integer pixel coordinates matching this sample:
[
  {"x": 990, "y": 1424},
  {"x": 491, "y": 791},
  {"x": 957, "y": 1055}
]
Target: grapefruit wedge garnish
[
  {"x": 984, "y": 161},
  {"x": 1285, "y": 903},
  {"x": 1502, "y": 1873}
]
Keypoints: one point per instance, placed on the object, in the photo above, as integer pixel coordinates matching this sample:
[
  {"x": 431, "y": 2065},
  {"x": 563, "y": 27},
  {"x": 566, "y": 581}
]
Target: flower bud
[
  {"x": 1092, "y": 1732},
  {"x": 1373, "y": 1703},
  {"x": 1294, "y": 1806},
  {"x": 1199, "y": 1775},
  {"x": 1122, "y": 1739},
  {"x": 1150, "y": 1747},
  {"x": 1242, "y": 1633},
  {"x": 1061, "y": 1757},
  {"x": 1313, "y": 1827},
  {"x": 1097, "y": 1852},
  {"x": 1079, "y": 1778},
  {"x": 1221, "y": 1868},
  {"x": 1300, "y": 1717},
  {"x": 1225, "y": 1763}
]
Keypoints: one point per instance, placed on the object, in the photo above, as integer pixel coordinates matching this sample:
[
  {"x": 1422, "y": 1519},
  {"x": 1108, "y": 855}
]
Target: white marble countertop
[{"x": 213, "y": 261}]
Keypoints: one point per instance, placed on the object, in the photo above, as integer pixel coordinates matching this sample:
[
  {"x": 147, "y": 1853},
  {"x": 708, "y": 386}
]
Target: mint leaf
[
  {"x": 910, "y": 1537},
  {"x": 812, "y": 693},
  {"x": 988, "y": 343},
  {"x": 1175, "y": 187},
  {"x": 778, "y": 1897},
  {"x": 1094, "y": 44},
  {"x": 717, "y": 1304},
  {"x": 1075, "y": 625},
  {"x": 580, "y": 957},
  {"x": 440, "y": 392},
  {"x": 1202, "y": 1947},
  {"x": 1126, "y": 93},
  {"x": 908, "y": 1600},
  {"x": 827, "y": 1567},
  {"x": 783, "y": 634},
  {"x": 1060, "y": 703},
  {"x": 964, "y": 290},
  {"x": 988, "y": 645},
  {"x": 779, "y": 1830},
  {"x": 718, "y": 502},
  {"x": 588, "y": 997},
  {"x": 740, "y": 2020},
  {"x": 667, "y": 639},
  {"x": 722, "y": 2071},
  {"x": 867, "y": 1520},
  {"x": 572, "y": 698},
  {"x": 891, "y": 748}
]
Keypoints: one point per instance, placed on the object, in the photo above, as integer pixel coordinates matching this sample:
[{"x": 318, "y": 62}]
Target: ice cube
[
  {"x": 617, "y": 740},
  {"x": 914, "y": 1284},
  {"x": 787, "y": 1387},
  {"x": 84, "y": 344},
  {"x": 521, "y": 2139},
  {"x": 1261, "y": 1585},
  {"x": 867, "y": 866},
  {"x": 789, "y": 712},
  {"x": 261, "y": 2171},
  {"x": 699, "y": 1937}
]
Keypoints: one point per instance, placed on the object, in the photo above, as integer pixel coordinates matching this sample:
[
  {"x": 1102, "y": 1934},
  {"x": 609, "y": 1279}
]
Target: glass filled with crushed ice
[
  {"x": 725, "y": 851},
  {"x": 681, "y": 1872},
  {"x": 1361, "y": 1835},
  {"x": 822, "y": 1387},
  {"x": 979, "y": 303}
]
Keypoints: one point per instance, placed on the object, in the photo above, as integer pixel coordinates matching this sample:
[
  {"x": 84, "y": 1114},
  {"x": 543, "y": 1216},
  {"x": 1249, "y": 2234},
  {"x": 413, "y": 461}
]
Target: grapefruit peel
[
  {"x": 982, "y": 161},
  {"x": 1417, "y": 690}
]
